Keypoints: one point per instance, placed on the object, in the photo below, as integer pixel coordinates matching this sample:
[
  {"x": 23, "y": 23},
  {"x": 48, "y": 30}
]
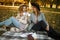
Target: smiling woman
[
  {"x": 38, "y": 22},
  {"x": 20, "y": 21}
]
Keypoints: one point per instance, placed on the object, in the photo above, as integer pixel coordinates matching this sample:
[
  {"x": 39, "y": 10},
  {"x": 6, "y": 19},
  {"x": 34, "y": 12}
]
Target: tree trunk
[
  {"x": 44, "y": 4},
  {"x": 50, "y": 5},
  {"x": 13, "y": 3},
  {"x": 56, "y": 6}
]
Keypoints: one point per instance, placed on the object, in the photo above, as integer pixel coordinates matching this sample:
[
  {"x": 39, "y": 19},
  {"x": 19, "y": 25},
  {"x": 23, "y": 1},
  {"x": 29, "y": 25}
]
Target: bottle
[
  {"x": 34, "y": 35},
  {"x": 30, "y": 37}
]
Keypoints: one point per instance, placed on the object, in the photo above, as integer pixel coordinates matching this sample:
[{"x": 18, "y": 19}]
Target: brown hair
[{"x": 21, "y": 8}]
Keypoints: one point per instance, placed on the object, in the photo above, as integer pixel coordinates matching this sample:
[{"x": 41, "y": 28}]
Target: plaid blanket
[{"x": 17, "y": 36}]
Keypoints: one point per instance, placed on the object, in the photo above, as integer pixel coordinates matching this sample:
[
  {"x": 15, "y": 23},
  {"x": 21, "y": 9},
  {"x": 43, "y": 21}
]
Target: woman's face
[
  {"x": 24, "y": 8},
  {"x": 34, "y": 9}
]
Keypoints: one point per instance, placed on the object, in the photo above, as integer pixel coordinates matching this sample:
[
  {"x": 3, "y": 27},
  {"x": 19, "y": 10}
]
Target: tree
[
  {"x": 43, "y": 2},
  {"x": 57, "y": 2},
  {"x": 50, "y": 2},
  {"x": 31, "y": 0}
]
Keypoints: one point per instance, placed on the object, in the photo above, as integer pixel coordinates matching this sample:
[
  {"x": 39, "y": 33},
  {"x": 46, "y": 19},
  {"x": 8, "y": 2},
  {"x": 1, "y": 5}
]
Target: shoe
[
  {"x": 4, "y": 27},
  {"x": 13, "y": 29}
]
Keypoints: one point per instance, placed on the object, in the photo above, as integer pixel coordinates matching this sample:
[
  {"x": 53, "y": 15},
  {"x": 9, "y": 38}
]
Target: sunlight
[{"x": 29, "y": 5}]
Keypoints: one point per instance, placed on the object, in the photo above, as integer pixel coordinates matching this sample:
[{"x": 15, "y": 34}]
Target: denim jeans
[
  {"x": 10, "y": 21},
  {"x": 41, "y": 26}
]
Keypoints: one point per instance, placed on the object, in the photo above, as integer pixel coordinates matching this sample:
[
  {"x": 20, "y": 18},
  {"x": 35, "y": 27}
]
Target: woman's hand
[{"x": 47, "y": 28}]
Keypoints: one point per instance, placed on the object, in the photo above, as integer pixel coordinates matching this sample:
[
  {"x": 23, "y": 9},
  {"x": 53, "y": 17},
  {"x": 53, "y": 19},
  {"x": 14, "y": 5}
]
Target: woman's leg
[
  {"x": 40, "y": 26},
  {"x": 6, "y": 22},
  {"x": 10, "y": 21},
  {"x": 52, "y": 33},
  {"x": 1, "y": 23},
  {"x": 15, "y": 22}
]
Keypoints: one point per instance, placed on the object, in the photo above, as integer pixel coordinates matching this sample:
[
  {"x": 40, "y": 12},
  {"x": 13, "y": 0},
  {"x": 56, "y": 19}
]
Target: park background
[{"x": 51, "y": 9}]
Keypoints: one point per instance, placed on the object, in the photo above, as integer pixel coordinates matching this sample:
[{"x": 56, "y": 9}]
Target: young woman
[
  {"x": 20, "y": 21},
  {"x": 38, "y": 22}
]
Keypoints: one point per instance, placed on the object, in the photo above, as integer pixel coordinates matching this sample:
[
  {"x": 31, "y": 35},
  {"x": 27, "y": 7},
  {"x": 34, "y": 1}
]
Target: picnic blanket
[{"x": 23, "y": 36}]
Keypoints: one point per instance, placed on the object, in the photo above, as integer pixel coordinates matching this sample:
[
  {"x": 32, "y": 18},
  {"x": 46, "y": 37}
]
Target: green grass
[
  {"x": 4, "y": 14},
  {"x": 53, "y": 20},
  {"x": 51, "y": 9}
]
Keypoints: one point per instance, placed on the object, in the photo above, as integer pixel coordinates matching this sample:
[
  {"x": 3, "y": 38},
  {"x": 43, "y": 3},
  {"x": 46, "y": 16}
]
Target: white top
[{"x": 23, "y": 19}]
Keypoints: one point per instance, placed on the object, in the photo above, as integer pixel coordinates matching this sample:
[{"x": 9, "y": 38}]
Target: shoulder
[{"x": 42, "y": 14}]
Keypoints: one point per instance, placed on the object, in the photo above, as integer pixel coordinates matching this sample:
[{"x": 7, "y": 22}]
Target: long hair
[
  {"x": 36, "y": 5},
  {"x": 21, "y": 8}
]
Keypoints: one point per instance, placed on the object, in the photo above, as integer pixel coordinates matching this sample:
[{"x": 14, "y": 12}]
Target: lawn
[
  {"x": 53, "y": 17},
  {"x": 51, "y": 9}
]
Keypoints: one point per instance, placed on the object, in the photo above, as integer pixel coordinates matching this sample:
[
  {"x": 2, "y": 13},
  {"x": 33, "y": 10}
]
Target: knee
[{"x": 12, "y": 17}]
